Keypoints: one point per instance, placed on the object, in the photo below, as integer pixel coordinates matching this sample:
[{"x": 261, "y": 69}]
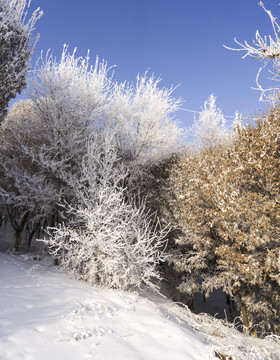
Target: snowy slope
[{"x": 45, "y": 315}]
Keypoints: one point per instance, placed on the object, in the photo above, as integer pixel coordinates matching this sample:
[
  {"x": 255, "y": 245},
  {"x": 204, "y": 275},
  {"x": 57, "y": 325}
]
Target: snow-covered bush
[
  {"x": 110, "y": 240},
  {"x": 16, "y": 47}
]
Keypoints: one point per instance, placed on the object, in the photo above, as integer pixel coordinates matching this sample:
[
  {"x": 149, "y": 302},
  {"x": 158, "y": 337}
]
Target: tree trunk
[
  {"x": 17, "y": 240},
  {"x": 17, "y": 224},
  {"x": 31, "y": 233},
  {"x": 245, "y": 319}
]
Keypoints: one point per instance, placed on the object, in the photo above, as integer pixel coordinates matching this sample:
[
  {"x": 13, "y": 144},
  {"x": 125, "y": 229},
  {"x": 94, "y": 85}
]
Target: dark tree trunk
[
  {"x": 32, "y": 232},
  {"x": 18, "y": 225},
  {"x": 17, "y": 240}
]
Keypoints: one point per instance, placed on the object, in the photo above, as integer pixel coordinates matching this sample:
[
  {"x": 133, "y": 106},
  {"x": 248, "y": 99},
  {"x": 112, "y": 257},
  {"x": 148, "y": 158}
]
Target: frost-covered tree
[
  {"x": 147, "y": 136},
  {"x": 267, "y": 50},
  {"x": 45, "y": 138},
  {"x": 16, "y": 47},
  {"x": 69, "y": 98},
  {"x": 227, "y": 202},
  {"x": 24, "y": 189},
  {"x": 141, "y": 115},
  {"x": 109, "y": 240},
  {"x": 210, "y": 128}
]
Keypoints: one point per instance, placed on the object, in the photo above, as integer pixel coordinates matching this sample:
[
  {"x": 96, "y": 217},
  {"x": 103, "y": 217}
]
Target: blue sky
[{"x": 179, "y": 40}]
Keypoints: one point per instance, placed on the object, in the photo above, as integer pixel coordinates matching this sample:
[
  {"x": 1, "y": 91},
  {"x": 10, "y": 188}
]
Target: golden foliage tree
[{"x": 227, "y": 202}]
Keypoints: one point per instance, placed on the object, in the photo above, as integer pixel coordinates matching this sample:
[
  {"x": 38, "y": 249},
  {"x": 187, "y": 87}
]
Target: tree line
[{"x": 105, "y": 170}]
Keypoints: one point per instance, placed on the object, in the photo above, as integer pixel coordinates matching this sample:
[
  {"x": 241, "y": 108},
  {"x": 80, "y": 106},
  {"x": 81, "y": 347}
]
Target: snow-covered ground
[{"x": 46, "y": 315}]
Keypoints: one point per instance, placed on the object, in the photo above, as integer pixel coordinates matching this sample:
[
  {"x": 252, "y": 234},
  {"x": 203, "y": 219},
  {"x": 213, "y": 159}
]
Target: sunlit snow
[{"x": 45, "y": 315}]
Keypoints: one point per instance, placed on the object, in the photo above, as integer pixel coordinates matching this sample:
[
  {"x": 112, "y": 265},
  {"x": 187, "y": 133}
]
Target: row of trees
[{"x": 79, "y": 156}]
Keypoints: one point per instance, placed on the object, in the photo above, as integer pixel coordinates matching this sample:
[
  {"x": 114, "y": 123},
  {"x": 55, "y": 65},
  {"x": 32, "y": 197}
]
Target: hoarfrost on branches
[
  {"x": 267, "y": 49},
  {"x": 110, "y": 241},
  {"x": 141, "y": 115},
  {"x": 16, "y": 47},
  {"x": 71, "y": 139},
  {"x": 210, "y": 128}
]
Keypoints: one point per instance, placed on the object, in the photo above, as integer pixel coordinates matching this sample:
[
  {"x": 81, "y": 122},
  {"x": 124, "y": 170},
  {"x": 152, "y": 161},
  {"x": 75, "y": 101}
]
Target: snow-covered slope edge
[{"x": 46, "y": 315}]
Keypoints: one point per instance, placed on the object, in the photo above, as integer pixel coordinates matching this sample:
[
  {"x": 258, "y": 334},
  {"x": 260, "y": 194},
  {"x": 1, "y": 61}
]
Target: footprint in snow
[
  {"x": 35, "y": 269},
  {"x": 96, "y": 310},
  {"x": 83, "y": 334}
]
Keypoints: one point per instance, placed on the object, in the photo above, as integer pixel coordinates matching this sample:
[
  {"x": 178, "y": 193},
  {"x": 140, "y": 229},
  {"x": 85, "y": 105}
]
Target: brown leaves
[{"x": 230, "y": 199}]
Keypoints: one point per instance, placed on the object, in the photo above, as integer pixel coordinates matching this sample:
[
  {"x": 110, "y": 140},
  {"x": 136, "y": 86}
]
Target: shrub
[
  {"x": 109, "y": 241},
  {"x": 228, "y": 204}
]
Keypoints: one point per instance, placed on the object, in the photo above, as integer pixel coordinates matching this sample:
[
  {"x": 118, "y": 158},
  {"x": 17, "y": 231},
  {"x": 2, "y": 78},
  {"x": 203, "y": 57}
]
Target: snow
[{"x": 46, "y": 315}]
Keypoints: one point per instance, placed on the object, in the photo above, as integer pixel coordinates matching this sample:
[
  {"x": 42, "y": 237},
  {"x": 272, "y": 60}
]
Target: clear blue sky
[{"x": 179, "y": 40}]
